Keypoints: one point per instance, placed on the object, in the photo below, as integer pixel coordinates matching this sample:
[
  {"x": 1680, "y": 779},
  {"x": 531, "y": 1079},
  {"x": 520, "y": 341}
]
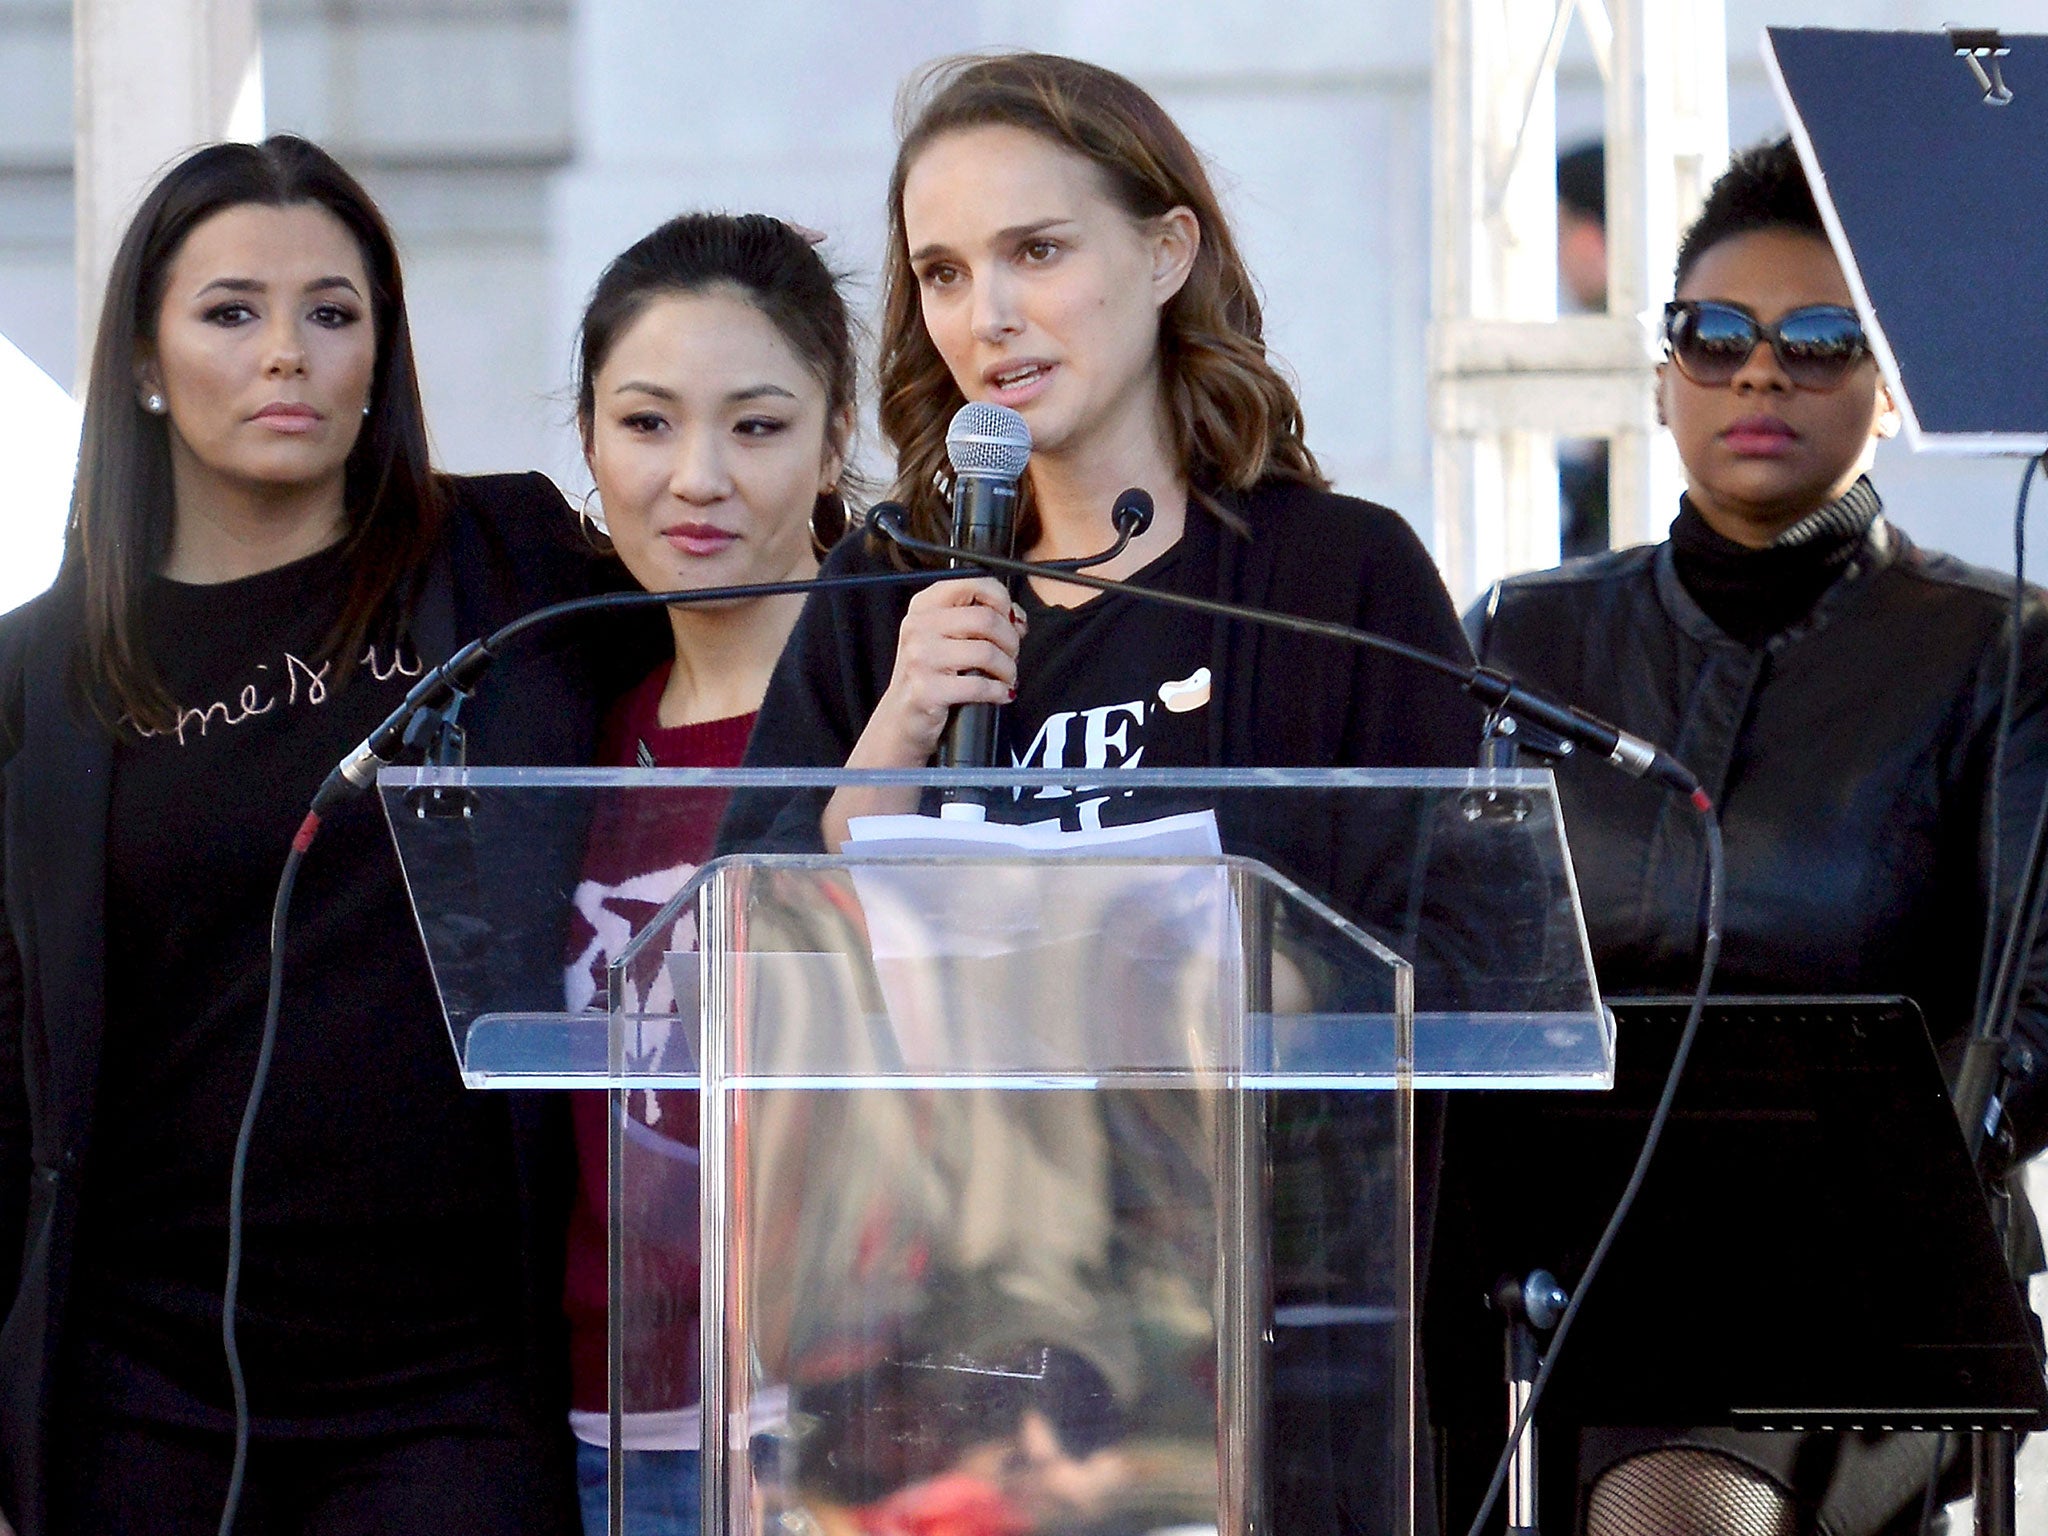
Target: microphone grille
[{"x": 990, "y": 440}]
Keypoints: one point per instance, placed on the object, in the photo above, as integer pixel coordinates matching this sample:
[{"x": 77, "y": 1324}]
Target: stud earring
[
  {"x": 153, "y": 403},
  {"x": 366, "y": 408}
]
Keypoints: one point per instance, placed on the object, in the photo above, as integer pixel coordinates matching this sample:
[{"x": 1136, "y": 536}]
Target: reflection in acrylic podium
[{"x": 1028, "y": 1183}]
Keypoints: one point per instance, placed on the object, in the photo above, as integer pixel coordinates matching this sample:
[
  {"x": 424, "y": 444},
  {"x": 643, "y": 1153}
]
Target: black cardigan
[
  {"x": 509, "y": 546},
  {"x": 1285, "y": 700}
]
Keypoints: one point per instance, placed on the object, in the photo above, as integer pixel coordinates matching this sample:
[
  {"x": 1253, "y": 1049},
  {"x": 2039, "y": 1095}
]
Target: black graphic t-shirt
[
  {"x": 1113, "y": 683},
  {"x": 379, "y": 1200}
]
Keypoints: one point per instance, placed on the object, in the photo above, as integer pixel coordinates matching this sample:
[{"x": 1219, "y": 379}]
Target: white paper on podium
[
  {"x": 1191, "y": 835},
  {"x": 1018, "y": 945},
  {"x": 1000, "y": 911}
]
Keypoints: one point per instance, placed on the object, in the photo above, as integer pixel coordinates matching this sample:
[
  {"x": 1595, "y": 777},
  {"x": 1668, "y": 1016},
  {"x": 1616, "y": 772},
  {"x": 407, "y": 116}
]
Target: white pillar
[
  {"x": 150, "y": 80},
  {"x": 1667, "y": 139}
]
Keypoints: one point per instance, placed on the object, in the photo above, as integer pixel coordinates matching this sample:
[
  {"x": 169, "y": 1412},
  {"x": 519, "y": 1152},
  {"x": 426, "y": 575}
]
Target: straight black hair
[
  {"x": 123, "y": 509},
  {"x": 777, "y": 269}
]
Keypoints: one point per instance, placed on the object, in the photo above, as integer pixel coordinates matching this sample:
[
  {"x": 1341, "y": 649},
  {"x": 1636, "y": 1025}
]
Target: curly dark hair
[{"x": 1764, "y": 187}]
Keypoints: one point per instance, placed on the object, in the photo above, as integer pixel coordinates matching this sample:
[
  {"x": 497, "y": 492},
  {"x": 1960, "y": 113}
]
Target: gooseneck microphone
[
  {"x": 988, "y": 445},
  {"x": 1496, "y": 690}
]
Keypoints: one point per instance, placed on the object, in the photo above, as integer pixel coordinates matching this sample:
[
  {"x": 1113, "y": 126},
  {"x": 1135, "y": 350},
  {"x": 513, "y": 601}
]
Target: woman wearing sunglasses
[{"x": 1837, "y": 691}]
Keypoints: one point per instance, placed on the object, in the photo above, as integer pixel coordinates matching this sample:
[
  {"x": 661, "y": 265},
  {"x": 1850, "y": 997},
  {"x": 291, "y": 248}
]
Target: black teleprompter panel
[{"x": 1810, "y": 1248}]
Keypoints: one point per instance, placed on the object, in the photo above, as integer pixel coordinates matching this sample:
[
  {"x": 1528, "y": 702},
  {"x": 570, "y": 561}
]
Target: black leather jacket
[{"x": 1849, "y": 755}]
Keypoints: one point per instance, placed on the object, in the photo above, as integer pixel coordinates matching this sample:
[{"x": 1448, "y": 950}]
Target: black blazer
[{"x": 510, "y": 545}]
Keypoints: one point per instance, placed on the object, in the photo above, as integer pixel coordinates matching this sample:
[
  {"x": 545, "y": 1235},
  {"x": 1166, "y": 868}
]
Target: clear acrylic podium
[{"x": 1031, "y": 1192}]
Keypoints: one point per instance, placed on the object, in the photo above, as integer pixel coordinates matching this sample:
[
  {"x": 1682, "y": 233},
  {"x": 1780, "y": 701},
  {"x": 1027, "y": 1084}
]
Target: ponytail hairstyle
[
  {"x": 1235, "y": 421},
  {"x": 776, "y": 268},
  {"x": 123, "y": 510}
]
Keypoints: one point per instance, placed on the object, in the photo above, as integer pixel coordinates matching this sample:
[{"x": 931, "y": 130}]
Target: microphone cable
[
  {"x": 239, "y": 1168},
  {"x": 1998, "y": 990},
  {"x": 1713, "y": 898}
]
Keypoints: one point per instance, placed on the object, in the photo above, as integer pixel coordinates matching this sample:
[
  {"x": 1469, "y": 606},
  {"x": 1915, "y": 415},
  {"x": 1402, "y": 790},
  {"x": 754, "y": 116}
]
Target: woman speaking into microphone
[{"x": 1055, "y": 248}]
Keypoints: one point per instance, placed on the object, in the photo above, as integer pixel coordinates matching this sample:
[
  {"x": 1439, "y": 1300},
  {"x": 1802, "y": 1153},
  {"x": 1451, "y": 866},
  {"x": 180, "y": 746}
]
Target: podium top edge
[{"x": 1536, "y": 779}]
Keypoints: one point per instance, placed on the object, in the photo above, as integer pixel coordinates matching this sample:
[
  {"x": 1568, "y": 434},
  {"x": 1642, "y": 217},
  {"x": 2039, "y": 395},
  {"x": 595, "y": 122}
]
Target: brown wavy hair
[
  {"x": 122, "y": 508},
  {"x": 1235, "y": 420}
]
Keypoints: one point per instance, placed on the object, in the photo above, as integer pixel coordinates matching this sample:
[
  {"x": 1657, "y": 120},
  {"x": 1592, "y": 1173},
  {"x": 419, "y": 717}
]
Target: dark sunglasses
[{"x": 1816, "y": 346}]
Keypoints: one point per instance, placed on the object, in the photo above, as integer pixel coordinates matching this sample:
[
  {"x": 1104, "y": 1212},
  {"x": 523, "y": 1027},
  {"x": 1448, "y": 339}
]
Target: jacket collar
[{"x": 1880, "y": 549}]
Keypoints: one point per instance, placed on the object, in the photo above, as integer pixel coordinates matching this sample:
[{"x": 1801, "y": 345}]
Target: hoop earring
[
  {"x": 823, "y": 537},
  {"x": 590, "y": 519}
]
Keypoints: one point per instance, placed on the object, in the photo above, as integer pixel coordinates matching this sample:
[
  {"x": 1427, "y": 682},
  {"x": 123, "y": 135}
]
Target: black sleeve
[
  {"x": 1403, "y": 715},
  {"x": 538, "y": 554},
  {"x": 2021, "y": 789},
  {"x": 832, "y": 674}
]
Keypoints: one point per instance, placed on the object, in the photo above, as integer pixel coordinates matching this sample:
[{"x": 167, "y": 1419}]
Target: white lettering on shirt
[{"x": 300, "y": 678}]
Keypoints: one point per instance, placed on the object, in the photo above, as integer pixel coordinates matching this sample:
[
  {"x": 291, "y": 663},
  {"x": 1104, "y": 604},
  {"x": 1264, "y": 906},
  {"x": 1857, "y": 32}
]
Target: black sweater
[
  {"x": 509, "y": 546},
  {"x": 1280, "y": 700}
]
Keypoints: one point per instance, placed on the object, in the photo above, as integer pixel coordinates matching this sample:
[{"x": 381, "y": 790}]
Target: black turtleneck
[{"x": 1753, "y": 594}]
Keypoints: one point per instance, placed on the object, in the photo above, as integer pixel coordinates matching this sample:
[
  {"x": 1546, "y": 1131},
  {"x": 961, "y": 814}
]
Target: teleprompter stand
[{"x": 1811, "y": 1249}]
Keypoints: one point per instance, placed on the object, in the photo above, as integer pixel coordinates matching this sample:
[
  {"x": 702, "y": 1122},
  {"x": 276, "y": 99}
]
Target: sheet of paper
[
  {"x": 1191, "y": 835},
  {"x": 1073, "y": 953}
]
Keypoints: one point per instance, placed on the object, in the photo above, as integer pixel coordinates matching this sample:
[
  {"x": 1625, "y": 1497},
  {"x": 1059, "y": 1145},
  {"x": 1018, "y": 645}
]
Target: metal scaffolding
[{"x": 1508, "y": 376}]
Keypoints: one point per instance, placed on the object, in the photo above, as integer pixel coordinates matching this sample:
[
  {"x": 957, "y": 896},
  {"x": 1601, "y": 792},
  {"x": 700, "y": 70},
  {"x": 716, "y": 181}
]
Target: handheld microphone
[{"x": 989, "y": 445}]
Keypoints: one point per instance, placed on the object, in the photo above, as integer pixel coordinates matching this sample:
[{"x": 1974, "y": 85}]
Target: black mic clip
[
  {"x": 1574, "y": 729},
  {"x": 434, "y": 737},
  {"x": 1131, "y": 515},
  {"x": 425, "y": 721}
]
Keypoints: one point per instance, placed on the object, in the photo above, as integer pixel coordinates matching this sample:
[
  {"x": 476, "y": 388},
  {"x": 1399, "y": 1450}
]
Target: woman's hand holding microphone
[{"x": 957, "y": 645}]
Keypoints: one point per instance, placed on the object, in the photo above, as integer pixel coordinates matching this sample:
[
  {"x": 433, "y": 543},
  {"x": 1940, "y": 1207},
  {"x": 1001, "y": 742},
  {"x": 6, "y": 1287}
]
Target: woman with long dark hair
[
  {"x": 715, "y": 389},
  {"x": 259, "y": 559}
]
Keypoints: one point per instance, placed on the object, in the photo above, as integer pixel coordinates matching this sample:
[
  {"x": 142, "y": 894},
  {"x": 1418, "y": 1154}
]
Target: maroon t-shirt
[{"x": 643, "y": 849}]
